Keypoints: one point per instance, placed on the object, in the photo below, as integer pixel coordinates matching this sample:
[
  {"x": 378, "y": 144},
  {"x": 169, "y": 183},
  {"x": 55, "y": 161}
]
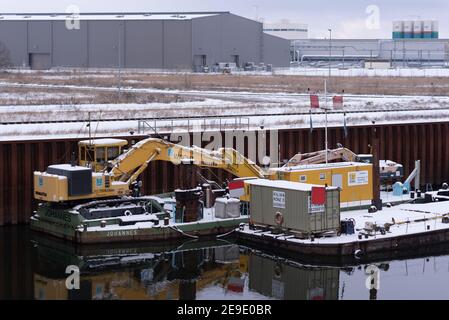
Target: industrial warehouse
[{"x": 180, "y": 41}]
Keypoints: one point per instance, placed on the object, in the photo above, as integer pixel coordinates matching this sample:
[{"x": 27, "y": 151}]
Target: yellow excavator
[{"x": 105, "y": 170}]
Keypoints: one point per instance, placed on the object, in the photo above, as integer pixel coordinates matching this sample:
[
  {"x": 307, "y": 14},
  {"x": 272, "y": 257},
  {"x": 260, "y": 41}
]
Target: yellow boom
[{"x": 69, "y": 183}]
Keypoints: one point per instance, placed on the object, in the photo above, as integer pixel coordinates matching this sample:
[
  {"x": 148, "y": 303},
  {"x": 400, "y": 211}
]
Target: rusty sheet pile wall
[{"x": 403, "y": 143}]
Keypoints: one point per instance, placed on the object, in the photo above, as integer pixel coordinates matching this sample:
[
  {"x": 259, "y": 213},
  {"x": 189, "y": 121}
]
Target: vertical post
[
  {"x": 90, "y": 134},
  {"x": 119, "y": 59},
  {"x": 330, "y": 51},
  {"x": 418, "y": 174},
  {"x": 377, "y": 201},
  {"x": 325, "y": 113},
  {"x": 403, "y": 53}
]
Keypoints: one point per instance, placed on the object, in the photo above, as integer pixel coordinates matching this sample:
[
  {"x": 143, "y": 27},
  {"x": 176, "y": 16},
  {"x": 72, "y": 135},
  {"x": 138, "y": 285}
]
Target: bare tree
[{"x": 5, "y": 60}]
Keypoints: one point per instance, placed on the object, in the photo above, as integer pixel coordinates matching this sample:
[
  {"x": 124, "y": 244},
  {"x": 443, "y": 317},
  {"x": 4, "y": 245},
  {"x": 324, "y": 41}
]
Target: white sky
[{"x": 347, "y": 18}]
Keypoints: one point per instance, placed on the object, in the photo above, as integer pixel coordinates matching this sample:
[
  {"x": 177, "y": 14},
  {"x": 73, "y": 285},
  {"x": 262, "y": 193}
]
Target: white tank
[
  {"x": 435, "y": 29},
  {"x": 398, "y": 29},
  {"x": 427, "y": 29},
  {"x": 408, "y": 29},
  {"x": 417, "y": 29}
]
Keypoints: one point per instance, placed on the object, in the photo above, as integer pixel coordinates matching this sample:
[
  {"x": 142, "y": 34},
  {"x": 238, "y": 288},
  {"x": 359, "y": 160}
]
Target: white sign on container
[
  {"x": 358, "y": 178},
  {"x": 315, "y": 208},
  {"x": 279, "y": 199}
]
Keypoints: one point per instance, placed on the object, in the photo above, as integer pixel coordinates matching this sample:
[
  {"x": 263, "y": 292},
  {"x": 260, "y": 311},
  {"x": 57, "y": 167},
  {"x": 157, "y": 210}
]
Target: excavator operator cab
[
  {"x": 96, "y": 153},
  {"x": 365, "y": 158}
]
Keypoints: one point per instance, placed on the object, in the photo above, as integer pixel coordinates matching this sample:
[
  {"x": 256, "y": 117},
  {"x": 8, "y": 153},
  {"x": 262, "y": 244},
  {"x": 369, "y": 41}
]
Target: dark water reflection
[{"x": 33, "y": 267}]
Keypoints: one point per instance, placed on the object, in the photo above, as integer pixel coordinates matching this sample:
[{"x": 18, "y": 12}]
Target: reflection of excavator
[
  {"x": 99, "y": 175},
  {"x": 138, "y": 272},
  {"x": 388, "y": 169}
]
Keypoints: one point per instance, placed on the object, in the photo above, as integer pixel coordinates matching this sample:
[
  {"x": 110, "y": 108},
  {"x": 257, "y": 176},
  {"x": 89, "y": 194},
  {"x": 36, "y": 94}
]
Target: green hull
[{"x": 70, "y": 225}]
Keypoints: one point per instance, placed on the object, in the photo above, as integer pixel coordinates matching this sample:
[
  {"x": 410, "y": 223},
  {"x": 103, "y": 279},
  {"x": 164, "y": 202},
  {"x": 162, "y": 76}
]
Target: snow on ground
[
  {"x": 32, "y": 96},
  {"x": 407, "y": 219},
  {"x": 259, "y": 109},
  {"x": 301, "y": 71},
  {"x": 358, "y": 102},
  {"x": 122, "y": 128}
]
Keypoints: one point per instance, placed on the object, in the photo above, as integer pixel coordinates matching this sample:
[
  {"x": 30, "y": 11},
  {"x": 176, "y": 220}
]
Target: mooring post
[{"x": 377, "y": 201}]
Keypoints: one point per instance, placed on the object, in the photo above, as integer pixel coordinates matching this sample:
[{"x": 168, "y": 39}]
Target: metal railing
[{"x": 192, "y": 124}]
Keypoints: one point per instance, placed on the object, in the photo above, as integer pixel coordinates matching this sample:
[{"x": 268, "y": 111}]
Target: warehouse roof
[
  {"x": 110, "y": 16},
  {"x": 283, "y": 184}
]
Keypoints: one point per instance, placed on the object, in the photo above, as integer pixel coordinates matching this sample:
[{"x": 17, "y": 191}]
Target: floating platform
[
  {"x": 141, "y": 231},
  {"x": 401, "y": 227},
  {"x": 130, "y": 219}
]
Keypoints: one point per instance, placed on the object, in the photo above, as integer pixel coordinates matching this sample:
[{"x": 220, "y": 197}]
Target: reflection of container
[
  {"x": 283, "y": 281},
  {"x": 236, "y": 284},
  {"x": 227, "y": 254}
]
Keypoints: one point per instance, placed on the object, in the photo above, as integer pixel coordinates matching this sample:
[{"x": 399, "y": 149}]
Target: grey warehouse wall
[
  {"x": 144, "y": 44},
  {"x": 70, "y": 46},
  {"x": 170, "y": 44},
  {"x": 177, "y": 44},
  {"x": 221, "y": 37},
  {"x": 276, "y": 51},
  {"x": 13, "y": 34}
]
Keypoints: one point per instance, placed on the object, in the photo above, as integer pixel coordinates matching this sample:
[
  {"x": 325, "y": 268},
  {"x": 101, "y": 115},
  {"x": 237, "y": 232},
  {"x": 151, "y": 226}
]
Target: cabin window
[
  {"x": 90, "y": 154},
  {"x": 83, "y": 153},
  {"x": 302, "y": 178},
  {"x": 113, "y": 152},
  {"x": 100, "y": 153},
  {"x": 322, "y": 176}
]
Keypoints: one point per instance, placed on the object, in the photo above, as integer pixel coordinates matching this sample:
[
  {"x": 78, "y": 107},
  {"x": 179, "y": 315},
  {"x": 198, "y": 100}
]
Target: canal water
[{"x": 37, "y": 267}]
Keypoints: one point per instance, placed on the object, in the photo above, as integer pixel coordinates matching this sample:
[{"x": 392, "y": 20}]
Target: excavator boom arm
[
  {"x": 320, "y": 157},
  {"x": 129, "y": 165}
]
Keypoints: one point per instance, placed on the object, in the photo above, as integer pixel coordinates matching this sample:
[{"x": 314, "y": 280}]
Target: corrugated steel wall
[
  {"x": 403, "y": 143},
  {"x": 162, "y": 44}
]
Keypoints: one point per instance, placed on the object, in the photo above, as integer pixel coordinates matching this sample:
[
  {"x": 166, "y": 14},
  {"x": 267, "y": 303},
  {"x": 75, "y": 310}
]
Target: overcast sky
[{"x": 347, "y": 18}]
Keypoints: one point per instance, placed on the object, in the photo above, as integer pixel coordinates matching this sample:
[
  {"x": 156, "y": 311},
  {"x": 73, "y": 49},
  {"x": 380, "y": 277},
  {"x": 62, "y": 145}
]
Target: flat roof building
[{"x": 179, "y": 41}]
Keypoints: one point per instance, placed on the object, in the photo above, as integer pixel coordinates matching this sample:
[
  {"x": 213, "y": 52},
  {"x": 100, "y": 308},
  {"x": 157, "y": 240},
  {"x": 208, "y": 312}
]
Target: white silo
[
  {"x": 408, "y": 29},
  {"x": 398, "y": 29},
  {"x": 427, "y": 29},
  {"x": 435, "y": 29},
  {"x": 417, "y": 29}
]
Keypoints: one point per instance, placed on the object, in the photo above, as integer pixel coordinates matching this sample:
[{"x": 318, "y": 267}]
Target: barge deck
[
  {"x": 401, "y": 227},
  {"x": 144, "y": 230}
]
